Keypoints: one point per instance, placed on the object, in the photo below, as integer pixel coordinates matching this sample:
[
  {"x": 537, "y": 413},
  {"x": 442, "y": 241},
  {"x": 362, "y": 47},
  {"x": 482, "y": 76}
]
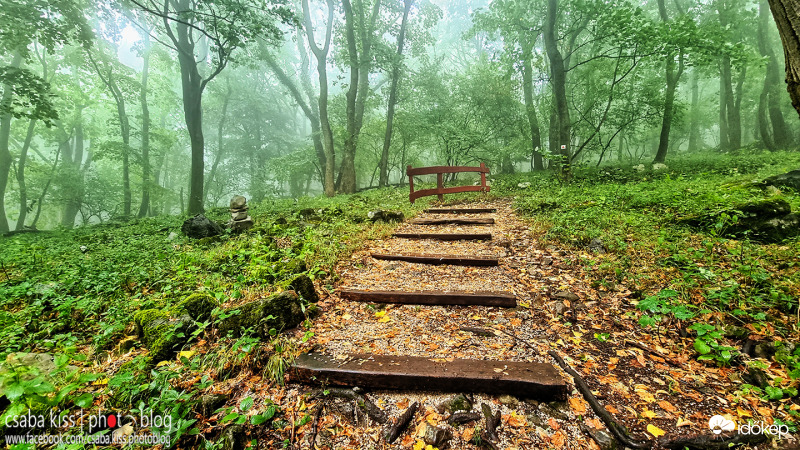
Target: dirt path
[{"x": 558, "y": 309}]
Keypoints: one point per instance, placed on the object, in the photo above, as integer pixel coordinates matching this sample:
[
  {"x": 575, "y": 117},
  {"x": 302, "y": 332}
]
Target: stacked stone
[{"x": 240, "y": 220}]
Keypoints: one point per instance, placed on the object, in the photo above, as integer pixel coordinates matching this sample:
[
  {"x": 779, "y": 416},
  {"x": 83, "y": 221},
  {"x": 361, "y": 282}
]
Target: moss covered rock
[
  {"x": 766, "y": 221},
  {"x": 280, "y": 311},
  {"x": 197, "y": 306},
  {"x": 160, "y": 333},
  {"x": 304, "y": 287}
]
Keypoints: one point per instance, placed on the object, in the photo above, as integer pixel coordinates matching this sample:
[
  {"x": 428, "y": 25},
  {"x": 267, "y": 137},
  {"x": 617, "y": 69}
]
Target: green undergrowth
[
  {"x": 687, "y": 281},
  {"x": 75, "y": 293}
]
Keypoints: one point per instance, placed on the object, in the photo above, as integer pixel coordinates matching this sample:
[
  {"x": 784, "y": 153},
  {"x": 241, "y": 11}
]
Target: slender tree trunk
[
  {"x": 321, "y": 55},
  {"x": 694, "y": 124},
  {"x": 383, "y": 180},
  {"x": 144, "y": 206},
  {"x": 23, "y": 190},
  {"x": 558, "y": 81},
  {"x": 787, "y": 17},
  {"x": 5, "y": 136},
  {"x": 46, "y": 187},
  {"x": 530, "y": 107},
  {"x": 73, "y": 165},
  {"x": 673, "y": 76},
  {"x": 724, "y": 142},
  {"x": 346, "y": 182},
  {"x": 220, "y": 138},
  {"x": 193, "y": 115},
  {"x": 310, "y": 109}
]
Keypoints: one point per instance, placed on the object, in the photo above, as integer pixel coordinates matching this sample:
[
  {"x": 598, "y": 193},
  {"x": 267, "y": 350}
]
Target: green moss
[
  {"x": 198, "y": 306},
  {"x": 159, "y": 334},
  {"x": 280, "y": 311}
]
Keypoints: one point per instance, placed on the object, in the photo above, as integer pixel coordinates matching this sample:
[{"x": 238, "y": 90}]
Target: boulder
[
  {"x": 209, "y": 403},
  {"x": 197, "y": 306},
  {"x": 164, "y": 331},
  {"x": 160, "y": 333},
  {"x": 303, "y": 285},
  {"x": 280, "y": 311},
  {"x": 200, "y": 226},
  {"x": 790, "y": 179},
  {"x": 767, "y": 221}
]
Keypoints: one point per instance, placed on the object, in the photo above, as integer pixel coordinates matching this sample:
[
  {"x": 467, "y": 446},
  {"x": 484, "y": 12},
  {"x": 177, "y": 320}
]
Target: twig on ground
[{"x": 394, "y": 429}]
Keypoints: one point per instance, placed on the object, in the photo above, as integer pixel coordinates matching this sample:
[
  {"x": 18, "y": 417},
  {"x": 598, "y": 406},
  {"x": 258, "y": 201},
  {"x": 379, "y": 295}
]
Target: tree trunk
[
  {"x": 144, "y": 206},
  {"x": 724, "y": 143},
  {"x": 673, "y": 77},
  {"x": 191, "y": 82},
  {"x": 383, "y": 180},
  {"x": 220, "y": 130},
  {"x": 348, "y": 158},
  {"x": 5, "y": 135},
  {"x": 72, "y": 162},
  {"x": 787, "y": 17},
  {"x": 769, "y": 107},
  {"x": 321, "y": 54},
  {"x": 23, "y": 190},
  {"x": 530, "y": 107},
  {"x": 694, "y": 124},
  {"x": 558, "y": 81}
]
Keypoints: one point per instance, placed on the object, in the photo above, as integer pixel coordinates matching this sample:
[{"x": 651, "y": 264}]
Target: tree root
[
  {"x": 463, "y": 417},
  {"x": 372, "y": 410},
  {"x": 394, "y": 429}
]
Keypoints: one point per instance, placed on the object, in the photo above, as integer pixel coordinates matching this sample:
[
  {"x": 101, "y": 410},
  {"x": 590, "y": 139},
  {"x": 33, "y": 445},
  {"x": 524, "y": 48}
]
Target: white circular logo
[{"x": 718, "y": 424}]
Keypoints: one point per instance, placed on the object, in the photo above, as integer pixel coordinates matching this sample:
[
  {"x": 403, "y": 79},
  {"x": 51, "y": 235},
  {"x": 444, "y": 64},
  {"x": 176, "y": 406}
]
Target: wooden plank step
[
  {"x": 460, "y": 210},
  {"x": 446, "y": 236},
  {"x": 454, "y": 221},
  {"x": 539, "y": 381},
  {"x": 431, "y": 297},
  {"x": 454, "y": 260}
]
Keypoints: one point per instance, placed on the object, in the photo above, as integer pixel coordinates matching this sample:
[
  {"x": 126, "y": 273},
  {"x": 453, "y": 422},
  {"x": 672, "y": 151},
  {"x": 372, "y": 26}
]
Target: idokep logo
[{"x": 718, "y": 424}]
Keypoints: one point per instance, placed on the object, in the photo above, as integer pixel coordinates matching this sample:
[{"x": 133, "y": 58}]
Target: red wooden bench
[{"x": 440, "y": 189}]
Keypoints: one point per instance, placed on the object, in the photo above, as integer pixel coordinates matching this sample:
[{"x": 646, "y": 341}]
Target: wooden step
[
  {"x": 538, "y": 381},
  {"x": 455, "y": 221},
  {"x": 460, "y": 210},
  {"x": 431, "y": 297},
  {"x": 446, "y": 236},
  {"x": 454, "y": 260}
]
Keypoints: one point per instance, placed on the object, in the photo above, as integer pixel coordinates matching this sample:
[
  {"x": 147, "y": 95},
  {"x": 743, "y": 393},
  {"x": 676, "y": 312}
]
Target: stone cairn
[{"x": 240, "y": 220}]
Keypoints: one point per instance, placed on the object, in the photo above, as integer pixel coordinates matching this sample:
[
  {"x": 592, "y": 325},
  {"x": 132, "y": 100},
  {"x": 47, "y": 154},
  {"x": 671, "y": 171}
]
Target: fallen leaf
[
  {"x": 649, "y": 414},
  {"x": 577, "y": 405},
  {"x": 611, "y": 409},
  {"x": 667, "y": 406},
  {"x": 655, "y": 431},
  {"x": 684, "y": 423},
  {"x": 552, "y": 423},
  {"x": 743, "y": 413}
]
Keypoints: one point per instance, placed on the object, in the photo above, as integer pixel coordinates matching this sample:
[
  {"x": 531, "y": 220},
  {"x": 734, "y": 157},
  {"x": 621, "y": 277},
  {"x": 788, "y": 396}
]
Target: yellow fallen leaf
[
  {"x": 524, "y": 304},
  {"x": 380, "y": 313},
  {"x": 743, "y": 413},
  {"x": 100, "y": 382},
  {"x": 655, "y": 431},
  {"x": 684, "y": 423},
  {"x": 347, "y": 316},
  {"x": 649, "y": 414},
  {"x": 162, "y": 363},
  {"x": 419, "y": 445},
  {"x": 187, "y": 354},
  {"x": 646, "y": 396},
  {"x": 385, "y": 319}
]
